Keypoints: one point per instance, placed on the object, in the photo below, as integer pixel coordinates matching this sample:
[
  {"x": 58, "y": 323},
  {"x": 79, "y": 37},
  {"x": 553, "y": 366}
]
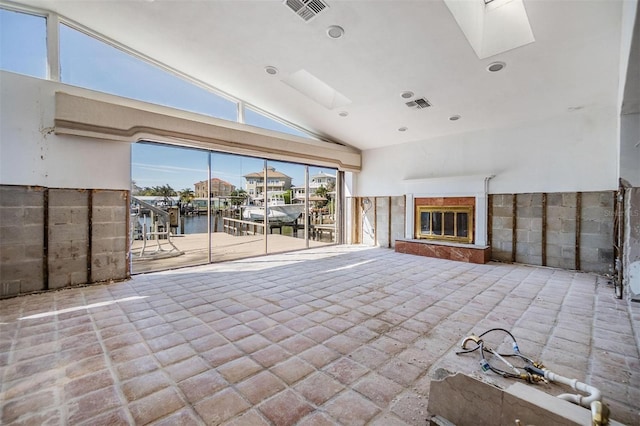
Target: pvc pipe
[{"x": 594, "y": 394}]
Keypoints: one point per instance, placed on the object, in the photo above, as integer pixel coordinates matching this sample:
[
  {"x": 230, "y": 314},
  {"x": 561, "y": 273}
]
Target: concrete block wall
[
  {"x": 109, "y": 251},
  {"x": 68, "y": 237},
  {"x": 529, "y": 229},
  {"x": 546, "y": 226},
  {"x": 501, "y": 207},
  {"x": 383, "y": 208},
  {"x": 561, "y": 230},
  {"x": 22, "y": 249},
  {"x": 596, "y": 231},
  {"x": 398, "y": 216},
  {"x": 54, "y": 238},
  {"x": 382, "y": 219}
]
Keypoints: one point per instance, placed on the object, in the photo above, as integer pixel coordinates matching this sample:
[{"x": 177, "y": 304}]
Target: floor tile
[{"x": 229, "y": 343}]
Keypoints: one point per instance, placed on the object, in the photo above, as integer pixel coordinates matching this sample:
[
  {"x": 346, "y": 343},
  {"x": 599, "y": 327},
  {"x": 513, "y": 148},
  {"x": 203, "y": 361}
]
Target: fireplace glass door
[{"x": 445, "y": 223}]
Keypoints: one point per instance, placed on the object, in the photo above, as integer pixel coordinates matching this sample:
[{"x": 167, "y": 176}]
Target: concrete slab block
[
  {"x": 9, "y": 288},
  {"x": 68, "y": 198},
  {"x": 111, "y": 198},
  {"x": 21, "y": 196}
]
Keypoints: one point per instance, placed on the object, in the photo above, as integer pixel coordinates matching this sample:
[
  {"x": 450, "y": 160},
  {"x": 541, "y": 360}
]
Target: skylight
[{"x": 492, "y": 26}]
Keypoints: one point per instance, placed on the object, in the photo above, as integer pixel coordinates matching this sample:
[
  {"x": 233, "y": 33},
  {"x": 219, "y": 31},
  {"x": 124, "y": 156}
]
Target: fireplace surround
[{"x": 448, "y": 218}]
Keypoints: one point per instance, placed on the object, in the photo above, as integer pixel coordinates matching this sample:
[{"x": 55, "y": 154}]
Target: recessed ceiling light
[
  {"x": 335, "y": 31},
  {"x": 271, "y": 70},
  {"x": 407, "y": 94},
  {"x": 454, "y": 117},
  {"x": 403, "y": 129},
  {"x": 496, "y": 66},
  {"x": 343, "y": 113}
]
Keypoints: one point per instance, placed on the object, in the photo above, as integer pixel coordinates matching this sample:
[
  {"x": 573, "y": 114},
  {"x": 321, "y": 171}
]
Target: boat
[{"x": 277, "y": 211}]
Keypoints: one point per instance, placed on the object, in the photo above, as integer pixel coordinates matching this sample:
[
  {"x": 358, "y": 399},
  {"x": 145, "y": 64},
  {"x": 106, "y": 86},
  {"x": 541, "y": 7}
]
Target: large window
[
  {"x": 192, "y": 207},
  {"x": 88, "y": 62},
  {"x": 23, "y": 43},
  {"x": 254, "y": 118}
]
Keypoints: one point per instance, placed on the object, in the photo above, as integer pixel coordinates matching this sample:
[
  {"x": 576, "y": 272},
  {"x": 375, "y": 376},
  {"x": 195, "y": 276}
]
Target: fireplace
[
  {"x": 447, "y": 218},
  {"x": 444, "y": 223}
]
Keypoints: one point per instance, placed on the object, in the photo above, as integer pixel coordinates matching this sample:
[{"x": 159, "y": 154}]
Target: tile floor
[{"x": 336, "y": 335}]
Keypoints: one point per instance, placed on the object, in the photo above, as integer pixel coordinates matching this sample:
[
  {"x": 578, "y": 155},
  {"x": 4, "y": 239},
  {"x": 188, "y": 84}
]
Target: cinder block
[
  {"x": 568, "y": 225},
  {"x": 536, "y": 224},
  {"x": 522, "y": 236},
  {"x": 11, "y": 235},
  {"x": 67, "y": 266},
  {"x": 9, "y": 252},
  {"x": 59, "y": 216},
  {"x": 11, "y": 215},
  {"x": 68, "y": 198},
  {"x": 502, "y": 235},
  {"x": 103, "y": 214},
  {"x": 36, "y": 283},
  {"x": 553, "y": 224},
  {"x": 21, "y": 196},
  {"x": 33, "y": 216},
  {"x": 553, "y": 250},
  {"x": 501, "y": 211},
  {"x": 109, "y": 198},
  {"x": 103, "y": 230},
  {"x": 68, "y": 232},
  {"x": 596, "y": 240},
  {"x": 80, "y": 216},
  {"x": 109, "y": 266},
  {"x": 554, "y": 199},
  {"x": 595, "y": 213},
  {"x": 9, "y": 288},
  {"x": 25, "y": 270}
]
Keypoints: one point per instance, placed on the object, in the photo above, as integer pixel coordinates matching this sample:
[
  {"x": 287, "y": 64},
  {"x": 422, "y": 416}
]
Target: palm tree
[
  {"x": 165, "y": 191},
  {"x": 321, "y": 192},
  {"x": 186, "y": 195},
  {"x": 238, "y": 196}
]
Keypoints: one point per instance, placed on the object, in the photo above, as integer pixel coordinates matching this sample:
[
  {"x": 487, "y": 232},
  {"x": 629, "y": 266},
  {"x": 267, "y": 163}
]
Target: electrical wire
[{"x": 532, "y": 368}]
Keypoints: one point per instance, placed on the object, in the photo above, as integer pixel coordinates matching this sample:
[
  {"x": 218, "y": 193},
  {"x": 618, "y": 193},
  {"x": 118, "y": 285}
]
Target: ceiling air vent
[
  {"x": 419, "y": 103},
  {"x": 306, "y": 9}
]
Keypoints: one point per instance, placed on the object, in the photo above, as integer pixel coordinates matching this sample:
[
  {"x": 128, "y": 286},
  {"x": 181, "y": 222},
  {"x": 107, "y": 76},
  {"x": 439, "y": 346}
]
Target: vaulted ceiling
[{"x": 388, "y": 47}]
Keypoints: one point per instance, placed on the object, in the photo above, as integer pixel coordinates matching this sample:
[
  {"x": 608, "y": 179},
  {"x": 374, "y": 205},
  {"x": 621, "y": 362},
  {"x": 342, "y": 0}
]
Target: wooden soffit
[{"x": 120, "y": 119}]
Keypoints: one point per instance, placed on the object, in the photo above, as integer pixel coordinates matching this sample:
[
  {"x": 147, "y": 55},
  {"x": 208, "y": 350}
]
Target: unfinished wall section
[
  {"x": 55, "y": 238},
  {"x": 501, "y": 207},
  {"x": 631, "y": 238},
  {"x": 109, "y": 251},
  {"x": 529, "y": 229},
  {"x": 596, "y": 232},
  {"x": 565, "y": 230},
  {"x": 383, "y": 221},
  {"x": 378, "y": 221},
  {"x": 561, "y": 230},
  {"x": 22, "y": 249},
  {"x": 398, "y": 216},
  {"x": 68, "y": 237}
]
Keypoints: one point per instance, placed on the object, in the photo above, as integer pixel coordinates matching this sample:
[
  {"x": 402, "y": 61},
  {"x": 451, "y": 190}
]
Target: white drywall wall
[
  {"x": 577, "y": 151},
  {"x": 30, "y": 154}
]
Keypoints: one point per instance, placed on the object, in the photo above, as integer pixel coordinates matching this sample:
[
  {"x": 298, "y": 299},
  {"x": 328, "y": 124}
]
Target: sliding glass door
[{"x": 191, "y": 207}]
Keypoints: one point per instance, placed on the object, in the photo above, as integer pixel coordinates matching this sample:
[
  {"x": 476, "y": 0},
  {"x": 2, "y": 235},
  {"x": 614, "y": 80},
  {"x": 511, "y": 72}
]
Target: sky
[{"x": 89, "y": 63}]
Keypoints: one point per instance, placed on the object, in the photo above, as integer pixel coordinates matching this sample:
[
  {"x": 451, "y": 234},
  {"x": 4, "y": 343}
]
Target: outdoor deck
[{"x": 224, "y": 247}]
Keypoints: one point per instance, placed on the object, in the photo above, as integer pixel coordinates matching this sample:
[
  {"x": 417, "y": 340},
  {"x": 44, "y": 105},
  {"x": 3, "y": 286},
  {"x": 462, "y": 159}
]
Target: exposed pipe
[{"x": 594, "y": 394}]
